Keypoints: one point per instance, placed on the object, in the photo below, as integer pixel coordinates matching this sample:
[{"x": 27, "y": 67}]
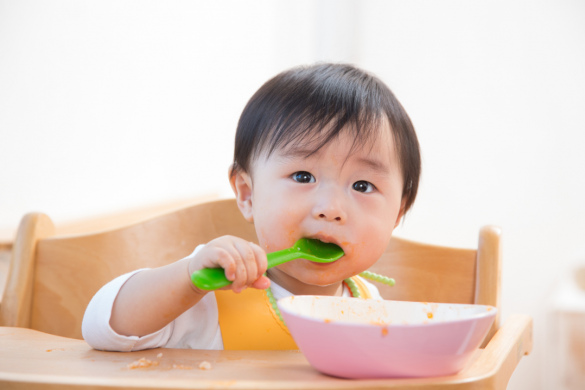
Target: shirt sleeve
[
  {"x": 198, "y": 327},
  {"x": 98, "y": 333}
]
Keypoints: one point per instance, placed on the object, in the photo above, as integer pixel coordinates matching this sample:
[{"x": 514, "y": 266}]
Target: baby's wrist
[{"x": 190, "y": 269}]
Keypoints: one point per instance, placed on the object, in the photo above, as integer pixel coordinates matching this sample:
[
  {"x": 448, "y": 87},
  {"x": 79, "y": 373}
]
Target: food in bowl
[{"x": 366, "y": 338}]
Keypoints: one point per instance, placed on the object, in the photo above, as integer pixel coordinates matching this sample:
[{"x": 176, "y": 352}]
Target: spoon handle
[
  {"x": 214, "y": 278},
  {"x": 210, "y": 278}
]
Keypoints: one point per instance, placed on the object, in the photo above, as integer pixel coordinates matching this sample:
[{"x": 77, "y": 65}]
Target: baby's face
[{"x": 353, "y": 200}]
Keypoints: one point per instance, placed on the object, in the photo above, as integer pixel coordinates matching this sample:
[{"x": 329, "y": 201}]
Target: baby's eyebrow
[
  {"x": 375, "y": 165},
  {"x": 290, "y": 155},
  {"x": 371, "y": 163},
  {"x": 296, "y": 152}
]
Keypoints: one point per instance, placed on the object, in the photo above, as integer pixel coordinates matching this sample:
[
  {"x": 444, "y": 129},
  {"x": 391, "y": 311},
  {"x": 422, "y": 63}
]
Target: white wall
[
  {"x": 111, "y": 104},
  {"x": 497, "y": 93}
]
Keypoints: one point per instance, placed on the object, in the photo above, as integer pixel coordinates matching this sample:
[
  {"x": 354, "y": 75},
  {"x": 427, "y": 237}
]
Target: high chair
[{"x": 53, "y": 277}]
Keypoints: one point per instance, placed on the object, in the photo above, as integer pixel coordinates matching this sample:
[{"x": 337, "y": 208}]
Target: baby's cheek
[
  {"x": 364, "y": 255},
  {"x": 291, "y": 235},
  {"x": 275, "y": 239},
  {"x": 351, "y": 249}
]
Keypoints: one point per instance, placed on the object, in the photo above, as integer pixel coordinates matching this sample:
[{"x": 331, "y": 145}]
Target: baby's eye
[
  {"x": 303, "y": 177},
  {"x": 363, "y": 186}
]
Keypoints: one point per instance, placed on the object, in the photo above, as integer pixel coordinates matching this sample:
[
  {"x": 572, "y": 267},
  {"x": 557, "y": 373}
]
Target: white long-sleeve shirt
[{"x": 196, "y": 328}]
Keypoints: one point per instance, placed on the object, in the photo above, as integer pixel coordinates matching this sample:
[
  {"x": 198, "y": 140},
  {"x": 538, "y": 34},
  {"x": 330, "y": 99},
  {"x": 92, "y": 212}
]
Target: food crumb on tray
[
  {"x": 182, "y": 367},
  {"x": 142, "y": 363}
]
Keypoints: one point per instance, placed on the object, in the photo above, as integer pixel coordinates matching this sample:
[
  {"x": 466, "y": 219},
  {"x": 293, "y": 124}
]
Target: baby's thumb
[{"x": 261, "y": 283}]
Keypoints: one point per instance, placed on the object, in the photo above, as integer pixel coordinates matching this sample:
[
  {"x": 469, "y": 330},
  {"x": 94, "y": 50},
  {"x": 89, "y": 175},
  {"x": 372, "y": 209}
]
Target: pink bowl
[{"x": 365, "y": 338}]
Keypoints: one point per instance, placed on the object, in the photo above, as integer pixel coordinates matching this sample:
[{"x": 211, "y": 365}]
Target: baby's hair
[{"x": 312, "y": 105}]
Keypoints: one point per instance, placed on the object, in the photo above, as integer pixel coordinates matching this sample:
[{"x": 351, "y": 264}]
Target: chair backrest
[{"x": 52, "y": 278}]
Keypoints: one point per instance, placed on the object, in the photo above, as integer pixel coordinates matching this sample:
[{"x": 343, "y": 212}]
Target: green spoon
[{"x": 305, "y": 248}]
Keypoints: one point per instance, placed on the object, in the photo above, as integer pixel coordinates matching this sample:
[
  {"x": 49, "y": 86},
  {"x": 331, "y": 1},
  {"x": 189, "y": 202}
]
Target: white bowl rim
[{"x": 490, "y": 311}]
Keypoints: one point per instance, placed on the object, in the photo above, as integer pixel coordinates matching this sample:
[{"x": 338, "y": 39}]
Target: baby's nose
[
  {"x": 323, "y": 216},
  {"x": 330, "y": 212}
]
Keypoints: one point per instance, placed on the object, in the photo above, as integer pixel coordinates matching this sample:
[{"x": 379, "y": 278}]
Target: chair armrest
[
  {"x": 504, "y": 351},
  {"x": 15, "y": 307}
]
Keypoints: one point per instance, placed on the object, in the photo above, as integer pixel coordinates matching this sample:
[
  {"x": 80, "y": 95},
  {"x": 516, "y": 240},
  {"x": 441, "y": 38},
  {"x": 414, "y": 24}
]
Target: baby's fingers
[
  {"x": 243, "y": 262},
  {"x": 260, "y": 257},
  {"x": 247, "y": 265},
  {"x": 261, "y": 283},
  {"x": 225, "y": 259}
]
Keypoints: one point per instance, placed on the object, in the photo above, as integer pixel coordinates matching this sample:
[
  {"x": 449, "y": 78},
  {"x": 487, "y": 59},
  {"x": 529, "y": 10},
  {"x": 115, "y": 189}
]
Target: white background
[{"x": 107, "y": 105}]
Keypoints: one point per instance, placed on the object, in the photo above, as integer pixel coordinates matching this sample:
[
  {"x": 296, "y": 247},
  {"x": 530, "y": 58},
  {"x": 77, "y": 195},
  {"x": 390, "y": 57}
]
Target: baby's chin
[{"x": 320, "y": 280}]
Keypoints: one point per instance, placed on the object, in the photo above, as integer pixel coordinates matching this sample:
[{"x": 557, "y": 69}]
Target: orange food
[
  {"x": 182, "y": 367},
  {"x": 142, "y": 363}
]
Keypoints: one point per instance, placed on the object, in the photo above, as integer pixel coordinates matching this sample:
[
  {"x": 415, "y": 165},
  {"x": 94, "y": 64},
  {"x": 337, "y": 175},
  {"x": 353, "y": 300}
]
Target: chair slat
[{"x": 66, "y": 271}]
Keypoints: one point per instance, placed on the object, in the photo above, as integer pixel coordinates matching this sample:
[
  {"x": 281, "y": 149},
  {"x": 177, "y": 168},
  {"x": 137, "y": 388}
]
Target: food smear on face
[
  {"x": 384, "y": 332},
  {"x": 205, "y": 365}
]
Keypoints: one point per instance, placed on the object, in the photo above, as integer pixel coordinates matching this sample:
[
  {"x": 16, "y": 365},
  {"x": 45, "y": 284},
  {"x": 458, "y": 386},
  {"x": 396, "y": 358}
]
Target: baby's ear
[
  {"x": 241, "y": 183},
  {"x": 401, "y": 212}
]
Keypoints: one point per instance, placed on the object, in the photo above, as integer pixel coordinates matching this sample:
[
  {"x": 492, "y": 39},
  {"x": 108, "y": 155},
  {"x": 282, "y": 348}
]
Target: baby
[{"x": 324, "y": 152}]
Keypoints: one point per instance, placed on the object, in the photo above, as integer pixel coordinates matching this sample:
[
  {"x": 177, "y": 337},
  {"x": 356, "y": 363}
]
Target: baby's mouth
[
  {"x": 323, "y": 238},
  {"x": 322, "y": 250},
  {"x": 326, "y": 239}
]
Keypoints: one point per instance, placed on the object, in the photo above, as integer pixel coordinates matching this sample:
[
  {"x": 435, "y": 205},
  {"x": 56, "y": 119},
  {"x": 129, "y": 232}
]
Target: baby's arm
[{"x": 152, "y": 298}]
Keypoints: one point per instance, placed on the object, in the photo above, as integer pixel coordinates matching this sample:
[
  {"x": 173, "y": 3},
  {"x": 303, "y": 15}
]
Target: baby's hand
[{"x": 244, "y": 262}]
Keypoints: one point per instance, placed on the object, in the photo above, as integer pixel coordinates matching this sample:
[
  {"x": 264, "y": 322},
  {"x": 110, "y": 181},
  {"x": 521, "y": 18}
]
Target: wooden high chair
[{"x": 53, "y": 277}]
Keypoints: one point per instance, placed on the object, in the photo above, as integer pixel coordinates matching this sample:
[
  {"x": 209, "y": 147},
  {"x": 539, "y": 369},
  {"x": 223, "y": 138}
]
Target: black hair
[{"x": 316, "y": 103}]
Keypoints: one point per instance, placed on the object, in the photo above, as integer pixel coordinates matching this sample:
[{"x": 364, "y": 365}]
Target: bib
[{"x": 248, "y": 322}]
